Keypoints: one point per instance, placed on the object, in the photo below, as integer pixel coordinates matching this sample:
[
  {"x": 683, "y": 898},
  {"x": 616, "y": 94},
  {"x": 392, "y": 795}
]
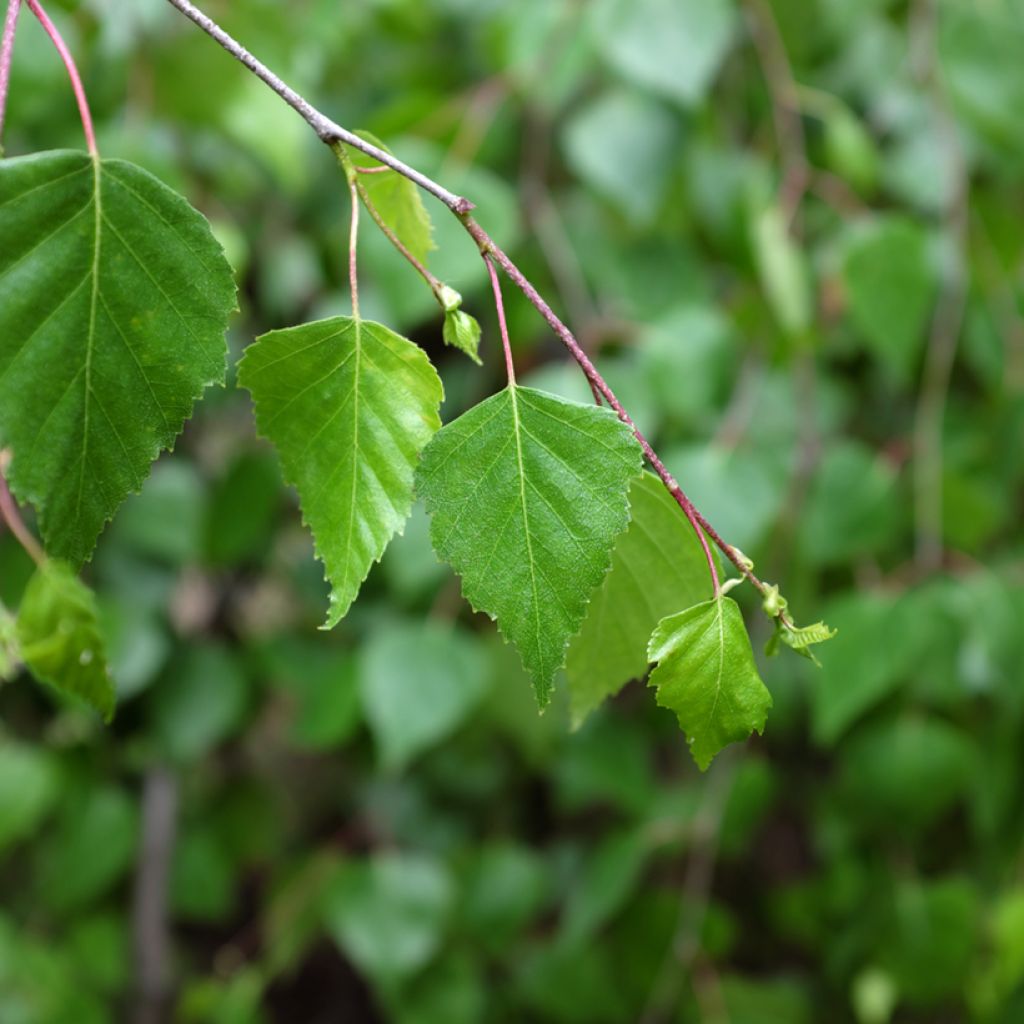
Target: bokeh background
[{"x": 791, "y": 233}]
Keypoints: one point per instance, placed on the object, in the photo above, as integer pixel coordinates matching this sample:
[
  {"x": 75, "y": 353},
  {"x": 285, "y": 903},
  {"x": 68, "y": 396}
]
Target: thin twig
[
  {"x": 149, "y": 906},
  {"x": 353, "y": 246},
  {"x": 326, "y": 129},
  {"x": 499, "y": 304},
  {"x": 69, "y": 62},
  {"x": 949, "y": 310},
  {"x": 6, "y": 54},
  {"x": 10, "y": 515},
  {"x": 331, "y": 133}
]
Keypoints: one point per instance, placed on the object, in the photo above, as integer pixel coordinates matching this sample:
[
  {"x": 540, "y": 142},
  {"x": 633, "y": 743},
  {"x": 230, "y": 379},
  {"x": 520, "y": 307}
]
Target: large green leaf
[
  {"x": 114, "y": 298},
  {"x": 349, "y": 406},
  {"x": 59, "y": 636},
  {"x": 527, "y": 493},
  {"x": 707, "y": 676},
  {"x": 658, "y": 565}
]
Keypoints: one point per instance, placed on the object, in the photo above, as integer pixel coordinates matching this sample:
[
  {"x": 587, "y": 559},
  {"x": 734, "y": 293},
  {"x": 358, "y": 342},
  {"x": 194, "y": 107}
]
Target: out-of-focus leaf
[
  {"x": 242, "y": 509},
  {"x": 202, "y": 877},
  {"x": 889, "y": 285},
  {"x": 418, "y": 683},
  {"x": 783, "y": 270},
  {"x": 623, "y": 145},
  {"x": 200, "y": 700},
  {"x": 28, "y": 786},
  {"x": 91, "y": 850},
  {"x": 671, "y": 46},
  {"x": 389, "y": 914}
]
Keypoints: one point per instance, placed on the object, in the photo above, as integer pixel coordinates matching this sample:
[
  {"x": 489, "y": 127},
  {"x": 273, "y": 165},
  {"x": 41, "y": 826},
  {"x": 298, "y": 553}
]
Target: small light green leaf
[
  {"x": 114, "y": 299},
  {"x": 29, "y": 784},
  {"x": 889, "y": 285},
  {"x": 349, "y": 406},
  {"x": 707, "y": 676},
  {"x": 799, "y": 638},
  {"x": 658, "y": 565},
  {"x": 783, "y": 272},
  {"x": 59, "y": 636},
  {"x": 398, "y": 201},
  {"x": 462, "y": 331},
  {"x": 527, "y": 493}
]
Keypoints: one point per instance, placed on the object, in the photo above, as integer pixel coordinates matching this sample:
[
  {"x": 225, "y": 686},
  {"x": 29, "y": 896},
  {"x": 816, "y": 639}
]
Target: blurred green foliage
[{"x": 375, "y": 824}]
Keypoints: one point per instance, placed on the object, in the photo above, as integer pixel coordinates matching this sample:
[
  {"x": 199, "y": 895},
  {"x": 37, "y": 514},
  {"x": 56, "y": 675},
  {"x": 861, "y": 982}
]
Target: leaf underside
[
  {"x": 658, "y": 565},
  {"x": 349, "y": 406},
  {"x": 114, "y": 300},
  {"x": 59, "y": 637},
  {"x": 706, "y": 674},
  {"x": 527, "y": 493}
]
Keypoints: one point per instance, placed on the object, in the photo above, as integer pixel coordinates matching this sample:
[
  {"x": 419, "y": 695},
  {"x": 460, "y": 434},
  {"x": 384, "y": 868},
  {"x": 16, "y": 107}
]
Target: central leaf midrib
[
  {"x": 526, "y": 518},
  {"x": 358, "y": 333},
  {"x": 91, "y": 336}
]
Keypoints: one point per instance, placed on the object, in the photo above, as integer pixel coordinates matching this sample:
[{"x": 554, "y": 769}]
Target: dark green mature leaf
[
  {"x": 349, "y": 406},
  {"x": 890, "y": 283},
  {"x": 707, "y": 676},
  {"x": 527, "y": 493},
  {"x": 59, "y": 636},
  {"x": 658, "y": 565},
  {"x": 114, "y": 298},
  {"x": 398, "y": 201}
]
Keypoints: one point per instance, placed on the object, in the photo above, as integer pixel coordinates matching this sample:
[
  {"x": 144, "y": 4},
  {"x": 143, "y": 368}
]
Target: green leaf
[
  {"x": 114, "y": 299},
  {"x": 418, "y": 683},
  {"x": 59, "y": 636},
  {"x": 462, "y": 331},
  {"x": 349, "y": 406},
  {"x": 707, "y": 676},
  {"x": 783, "y": 271},
  {"x": 527, "y": 493},
  {"x": 671, "y": 46},
  {"x": 658, "y": 565},
  {"x": 388, "y": 914},
  {"x": 398, "y": 201},
  {"x": 29, "y": 784},
  {"x": 889, "y": 285},
  {"x": 799, "y": 638}
]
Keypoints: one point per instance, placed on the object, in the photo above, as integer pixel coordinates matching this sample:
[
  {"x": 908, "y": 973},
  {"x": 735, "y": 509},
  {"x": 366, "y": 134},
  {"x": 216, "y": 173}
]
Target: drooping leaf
[
  {"x": 349, "y": 405},
  {"x": 59, "y": 636},
  {"x": 889, "y": 284},
  {"x": 783, "y": 271},
  {"x": 657, "y": 566},
  {"x": 114, "y": 298},
  {"x": 462, "y": 331},
  {"x": 799, "y": 638},
  {"x": 706, "y": 674},
  {"x": 398, "y": 201},
  {"x": 418, "y": 682},
  {"x": 527, "y": 493}
]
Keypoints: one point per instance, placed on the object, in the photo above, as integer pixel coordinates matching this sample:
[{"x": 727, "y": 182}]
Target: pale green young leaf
[
  {"x": 398, "y": 201},
  {"x": 799, "y": 638},
  {"x": 527, "y": 493},
  {"x": 462, "y": 331},
  {"x": 59, "y": 636},
  {"x": 349, "y": 406},
  {"x": 706, "y": 674},
  {"x": 783, "y": 270},
  {"x": 114, "y": 299},
  {"x": 658, "y": 565}
]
